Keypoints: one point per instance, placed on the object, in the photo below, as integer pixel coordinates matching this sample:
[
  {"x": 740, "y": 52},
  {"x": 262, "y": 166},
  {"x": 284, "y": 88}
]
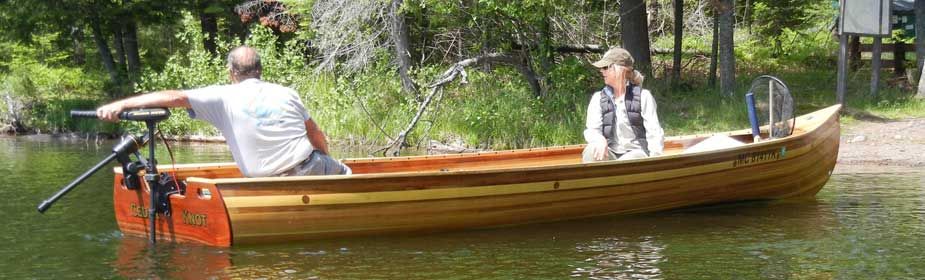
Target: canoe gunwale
[{"x": 769, "y": 143}]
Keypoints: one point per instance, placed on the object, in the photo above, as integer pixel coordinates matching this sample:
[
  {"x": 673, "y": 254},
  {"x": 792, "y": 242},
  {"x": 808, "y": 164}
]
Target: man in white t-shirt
[{"x": 267, "y": 128}]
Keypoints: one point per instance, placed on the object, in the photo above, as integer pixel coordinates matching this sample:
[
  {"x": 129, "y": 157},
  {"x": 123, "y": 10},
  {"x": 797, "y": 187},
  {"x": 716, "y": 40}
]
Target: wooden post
[
  {"x": 875, "y": 66},
  {"x": 854, "y": 52},
  {"x": 899, "y": 58},
  {"x": 841, "y": 87}
]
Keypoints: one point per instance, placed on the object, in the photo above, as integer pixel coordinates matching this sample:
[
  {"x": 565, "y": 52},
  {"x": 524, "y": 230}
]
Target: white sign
[{"x": 865, "y": 17}]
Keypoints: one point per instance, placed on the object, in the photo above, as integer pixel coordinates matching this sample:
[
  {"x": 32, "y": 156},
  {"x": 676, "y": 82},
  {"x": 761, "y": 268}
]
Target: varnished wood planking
[
  {"x": 484, "y": 207},
  {"x": 779, "y": 174},
  {"x": 339, "y": 225},
  {"x": 798, "y": 167}
]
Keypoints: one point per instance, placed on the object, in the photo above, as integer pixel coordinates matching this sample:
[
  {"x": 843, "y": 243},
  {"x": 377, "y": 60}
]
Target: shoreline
[
  {"x": 882, "y": 146},
  {"x": 868, "y": 146}
]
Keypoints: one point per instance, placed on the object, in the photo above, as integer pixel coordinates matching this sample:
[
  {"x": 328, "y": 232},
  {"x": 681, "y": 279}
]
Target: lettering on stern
[
  {"x": 138, "y": 211},
  {"x": 753, "y": 158},
  {"x": 189, "y": 218},
  {"x": 194, "y": 219}
]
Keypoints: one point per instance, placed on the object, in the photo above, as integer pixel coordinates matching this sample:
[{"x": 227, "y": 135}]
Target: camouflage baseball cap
[{"x": 615, "y": 55}]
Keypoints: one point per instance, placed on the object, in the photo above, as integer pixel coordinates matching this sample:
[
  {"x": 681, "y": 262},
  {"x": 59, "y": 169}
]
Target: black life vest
[{"x": 633, "y": 103}]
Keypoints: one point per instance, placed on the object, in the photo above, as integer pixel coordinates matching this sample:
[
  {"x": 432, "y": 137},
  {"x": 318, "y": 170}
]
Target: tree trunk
[
  {"x": 103, "y": 47},
  {"x": 524, "y": 68},
  {"x": 77, "y": 38},
  {"x": 678, "y": 35},
  {"x": 237, "y": 29},
  {"x": 714, "y": 51},
  {"x": 399, "y": 36},
  {"x": 131, "y": 49},
  {"x": 209, "y": 25},
  {"x": 921, "y": 89},
  {"x": 423, "y": 21},
  {"x": 920, "y": 44},
  {"x": 636, "y": 33},
  {"x": 117, "y": 44},
  {"x": 546, "y": 55},
  {"x": 727, "y": 66},
  {"x": 745, "y": 19}
]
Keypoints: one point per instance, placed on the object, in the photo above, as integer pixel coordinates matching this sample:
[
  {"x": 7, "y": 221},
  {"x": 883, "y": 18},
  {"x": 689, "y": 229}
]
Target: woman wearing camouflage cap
[{"x": 622, "y": 121}]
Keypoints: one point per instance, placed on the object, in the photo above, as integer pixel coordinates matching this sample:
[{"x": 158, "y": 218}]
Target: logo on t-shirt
[{"x": 266, "y": 110}]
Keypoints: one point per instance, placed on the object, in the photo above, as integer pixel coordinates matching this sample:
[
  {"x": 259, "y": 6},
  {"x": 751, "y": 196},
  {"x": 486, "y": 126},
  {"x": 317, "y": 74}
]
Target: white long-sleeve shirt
[{"x": 626, "y": 138}]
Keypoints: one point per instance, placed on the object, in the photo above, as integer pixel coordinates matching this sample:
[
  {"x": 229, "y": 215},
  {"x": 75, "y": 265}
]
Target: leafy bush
[
  {"x": 46, "y": 92},
  {"x": 198, "y": 68}
]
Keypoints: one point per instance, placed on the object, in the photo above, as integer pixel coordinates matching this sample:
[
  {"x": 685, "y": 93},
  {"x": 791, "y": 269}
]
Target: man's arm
[
  {"x": 316, "y": 136},
  {"x": 168, "y": 98}
]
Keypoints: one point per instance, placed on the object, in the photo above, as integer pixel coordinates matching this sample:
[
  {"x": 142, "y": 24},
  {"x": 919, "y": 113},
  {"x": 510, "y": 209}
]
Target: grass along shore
[{"x": 483, "y": 115}]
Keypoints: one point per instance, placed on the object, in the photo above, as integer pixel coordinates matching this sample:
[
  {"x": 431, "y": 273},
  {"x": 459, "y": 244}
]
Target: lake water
[{"x": 860, "y": 226}]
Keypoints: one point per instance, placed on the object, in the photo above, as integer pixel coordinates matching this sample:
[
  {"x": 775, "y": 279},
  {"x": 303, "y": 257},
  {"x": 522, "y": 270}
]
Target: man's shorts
[{"x": 318, "y": 163}]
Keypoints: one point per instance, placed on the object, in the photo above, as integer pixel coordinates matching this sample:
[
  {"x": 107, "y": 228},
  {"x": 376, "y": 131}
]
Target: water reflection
[
  {"x": 616, "y": 258},
  {"x": 138, "y": 259},
  {"x": 746, "y": 240}
]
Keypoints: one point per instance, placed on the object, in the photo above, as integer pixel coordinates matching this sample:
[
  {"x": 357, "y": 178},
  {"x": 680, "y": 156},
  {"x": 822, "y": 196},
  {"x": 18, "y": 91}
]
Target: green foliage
[
  {"x": 496, "y": 109},
  {"x": 198, "y": 68},
  {"x": 771, "y": 16},
  {"x": 43, "y": 91},
  {"x": 780, "y": 25}
]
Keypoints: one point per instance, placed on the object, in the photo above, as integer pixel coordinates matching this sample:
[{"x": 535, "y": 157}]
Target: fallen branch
[{"x": 457, "y": 70}]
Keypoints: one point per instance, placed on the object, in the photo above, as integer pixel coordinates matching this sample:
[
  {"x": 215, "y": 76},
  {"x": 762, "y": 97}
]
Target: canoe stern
[{"x": 198, "y": 216}]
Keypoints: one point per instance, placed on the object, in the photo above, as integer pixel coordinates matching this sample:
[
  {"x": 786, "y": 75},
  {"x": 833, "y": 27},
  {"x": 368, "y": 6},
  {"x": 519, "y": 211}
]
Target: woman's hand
[{"x": 599, "y": 150}]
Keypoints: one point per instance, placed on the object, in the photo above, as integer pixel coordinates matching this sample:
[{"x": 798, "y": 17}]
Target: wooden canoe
[{"x": 479, "y": 190}]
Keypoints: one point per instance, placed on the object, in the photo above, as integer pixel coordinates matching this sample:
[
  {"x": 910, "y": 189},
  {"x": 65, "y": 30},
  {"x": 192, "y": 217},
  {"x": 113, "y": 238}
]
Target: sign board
[{"x": 865, "y": 17}]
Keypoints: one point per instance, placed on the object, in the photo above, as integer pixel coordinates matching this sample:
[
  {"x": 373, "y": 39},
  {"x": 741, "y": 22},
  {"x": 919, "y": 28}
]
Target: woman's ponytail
[{"x": 637, "y": 78}]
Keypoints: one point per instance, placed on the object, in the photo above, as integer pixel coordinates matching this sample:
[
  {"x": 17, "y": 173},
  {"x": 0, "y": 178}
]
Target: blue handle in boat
[{"x": 752, "y": 117}]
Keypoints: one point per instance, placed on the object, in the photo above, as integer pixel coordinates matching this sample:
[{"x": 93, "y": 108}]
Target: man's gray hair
[{"x": 244, "y": 63}]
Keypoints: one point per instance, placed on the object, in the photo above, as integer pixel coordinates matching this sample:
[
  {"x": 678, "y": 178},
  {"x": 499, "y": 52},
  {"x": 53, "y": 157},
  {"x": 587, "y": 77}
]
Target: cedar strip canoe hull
[{"x": 480, "y": 190}]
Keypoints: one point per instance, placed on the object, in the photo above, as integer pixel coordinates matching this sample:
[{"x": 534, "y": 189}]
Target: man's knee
[
  {"x": 320, "y": 164},
  {"x": 333, "y": 166},
  {"x": 326, "y": 165}
]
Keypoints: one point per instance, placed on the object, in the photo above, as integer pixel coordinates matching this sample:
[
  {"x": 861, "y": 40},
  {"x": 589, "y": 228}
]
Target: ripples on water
[{"x": 866, "y": 226}]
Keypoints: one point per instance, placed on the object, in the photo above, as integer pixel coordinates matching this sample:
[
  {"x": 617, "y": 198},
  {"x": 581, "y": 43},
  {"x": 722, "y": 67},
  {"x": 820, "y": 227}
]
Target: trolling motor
[{"x": 161, "y": 185}]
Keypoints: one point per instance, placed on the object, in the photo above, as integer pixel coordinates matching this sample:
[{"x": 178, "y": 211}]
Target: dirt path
[{"x": 882, "y": 146}]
